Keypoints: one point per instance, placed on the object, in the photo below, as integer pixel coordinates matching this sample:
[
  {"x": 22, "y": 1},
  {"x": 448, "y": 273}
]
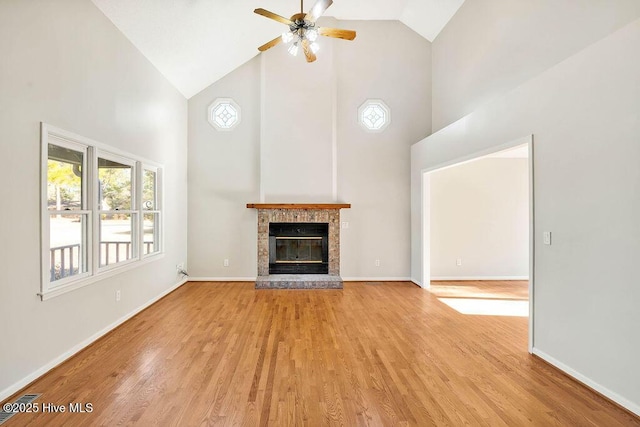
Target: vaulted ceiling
[{"x": 196, "y": 42}]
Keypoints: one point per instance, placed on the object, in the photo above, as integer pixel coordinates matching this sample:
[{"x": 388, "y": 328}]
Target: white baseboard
[
  {"x": 461, "y": 278},
  {"x": 75, "y": 349},
  {"x": 625, "y": 403},
  {"x": 376, "y": 279},
  {"x": 346, "y": 279}
]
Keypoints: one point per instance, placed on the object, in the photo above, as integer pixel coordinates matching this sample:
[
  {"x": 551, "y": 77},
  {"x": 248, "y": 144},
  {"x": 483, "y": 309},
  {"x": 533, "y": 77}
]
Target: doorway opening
[{"x": 478, "y": 233}]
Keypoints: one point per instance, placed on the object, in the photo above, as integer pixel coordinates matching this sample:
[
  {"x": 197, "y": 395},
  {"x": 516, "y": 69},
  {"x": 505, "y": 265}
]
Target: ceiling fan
[{"x": 304, "y": 31}]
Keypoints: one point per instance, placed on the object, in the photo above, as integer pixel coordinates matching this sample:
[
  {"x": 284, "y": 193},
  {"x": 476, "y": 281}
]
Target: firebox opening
[{"x": 298, "y": 248}]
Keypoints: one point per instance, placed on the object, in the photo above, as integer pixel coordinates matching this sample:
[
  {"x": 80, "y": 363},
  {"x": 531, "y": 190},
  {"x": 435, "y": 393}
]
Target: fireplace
[
  {"x": 298, "y": 248},
  {"x": 298, "y": 245}
]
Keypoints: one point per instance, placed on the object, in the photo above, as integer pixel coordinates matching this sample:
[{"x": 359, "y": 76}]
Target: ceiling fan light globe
[
  {"x": 311, "y": 35},
  {"x": 315, "y": 47},
  {"x": 293, "y": 49},
  {"x": 287, "y": 37}
]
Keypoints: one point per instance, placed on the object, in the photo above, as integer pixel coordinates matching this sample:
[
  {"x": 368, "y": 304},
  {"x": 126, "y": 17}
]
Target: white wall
[
  {"x": 480, "y": 215},
  {"x": 492, "y": 46},
  {"x": 583, "y": 113},
  {"x": 393, "y": 63},
  {"x": 65, "y": 64},
  {"x": 299, "y": 141},
  {"x": 297, "y": 125},
  {"x": 224, "y": 175}
]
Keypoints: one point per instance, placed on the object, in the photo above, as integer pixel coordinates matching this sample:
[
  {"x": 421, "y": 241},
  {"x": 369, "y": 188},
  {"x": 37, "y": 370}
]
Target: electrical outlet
[
  {"x": 180, "y": 267},
  {"x": 118, "y": 295},
  {"x": 459, "y": 262},
  {"x": 377, "y": 263},
  {"x": 345, "y": 224},
  {"x": 225, "y": 263}
]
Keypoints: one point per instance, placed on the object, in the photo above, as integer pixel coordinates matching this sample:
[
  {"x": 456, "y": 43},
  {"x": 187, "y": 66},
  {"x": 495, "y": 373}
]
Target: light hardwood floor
[{"x": 371, "y": 354}]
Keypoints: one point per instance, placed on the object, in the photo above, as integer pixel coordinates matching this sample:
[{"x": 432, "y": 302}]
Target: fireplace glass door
[{"x": 298, "y": 248}]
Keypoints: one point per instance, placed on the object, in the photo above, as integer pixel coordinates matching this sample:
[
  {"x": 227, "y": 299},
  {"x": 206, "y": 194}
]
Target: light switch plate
[{"x": 546, "y": 237}]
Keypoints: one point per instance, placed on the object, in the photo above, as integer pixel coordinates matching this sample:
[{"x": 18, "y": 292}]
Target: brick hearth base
[{"x": 299, "y": 281}]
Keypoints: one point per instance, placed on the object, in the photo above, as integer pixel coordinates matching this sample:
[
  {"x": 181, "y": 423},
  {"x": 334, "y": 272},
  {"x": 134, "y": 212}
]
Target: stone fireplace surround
[{"x": 292, "y": 213}]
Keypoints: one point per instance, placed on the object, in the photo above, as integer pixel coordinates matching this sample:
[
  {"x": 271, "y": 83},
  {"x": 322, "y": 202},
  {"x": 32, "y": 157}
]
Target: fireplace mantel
[{"x": 298, "y": 205}]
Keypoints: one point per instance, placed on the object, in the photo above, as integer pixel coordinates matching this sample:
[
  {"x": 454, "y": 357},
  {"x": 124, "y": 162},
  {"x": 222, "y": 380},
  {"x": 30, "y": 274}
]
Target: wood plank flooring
[{"x": 375, "y": 353}]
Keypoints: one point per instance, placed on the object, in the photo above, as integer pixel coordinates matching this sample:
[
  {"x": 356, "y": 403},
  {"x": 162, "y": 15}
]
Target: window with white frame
[
  {"x": 67, "y": 212},
  {"x": 224, "y": 114},
  {"x": 150, "y": 211},
  {"x": 116, "y": 214},
  {"x": 101, "y": 210},
  {"x": 374, "y": 115}
]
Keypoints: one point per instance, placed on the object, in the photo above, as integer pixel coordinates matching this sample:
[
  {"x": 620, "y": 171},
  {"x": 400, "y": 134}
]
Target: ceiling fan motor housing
[{"x": 299, "y": 23}]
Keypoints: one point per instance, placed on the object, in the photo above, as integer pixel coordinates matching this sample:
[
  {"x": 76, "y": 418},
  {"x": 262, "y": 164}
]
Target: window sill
[{"x": 84, "y": 281}]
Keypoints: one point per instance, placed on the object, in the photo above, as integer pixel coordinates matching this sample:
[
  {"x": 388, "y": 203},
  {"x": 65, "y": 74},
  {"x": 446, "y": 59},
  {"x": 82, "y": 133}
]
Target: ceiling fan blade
[
  {"x": 337, "y": 33},
  {"x": 270, "y": 44},
  {"x": 273, "y": 16},
  {"x": 307, "y": 51},
  {"x": 318, "y": 9}
]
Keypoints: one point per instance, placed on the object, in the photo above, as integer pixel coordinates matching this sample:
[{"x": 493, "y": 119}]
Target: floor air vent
[{"x": 24, "y": 400}]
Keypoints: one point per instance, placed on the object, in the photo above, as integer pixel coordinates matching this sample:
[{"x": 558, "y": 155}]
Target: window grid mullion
[
  {"x": 94, "y": 233},
  {"x": 160, "y": 206},
  {"x": 138, "y": 206}
]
